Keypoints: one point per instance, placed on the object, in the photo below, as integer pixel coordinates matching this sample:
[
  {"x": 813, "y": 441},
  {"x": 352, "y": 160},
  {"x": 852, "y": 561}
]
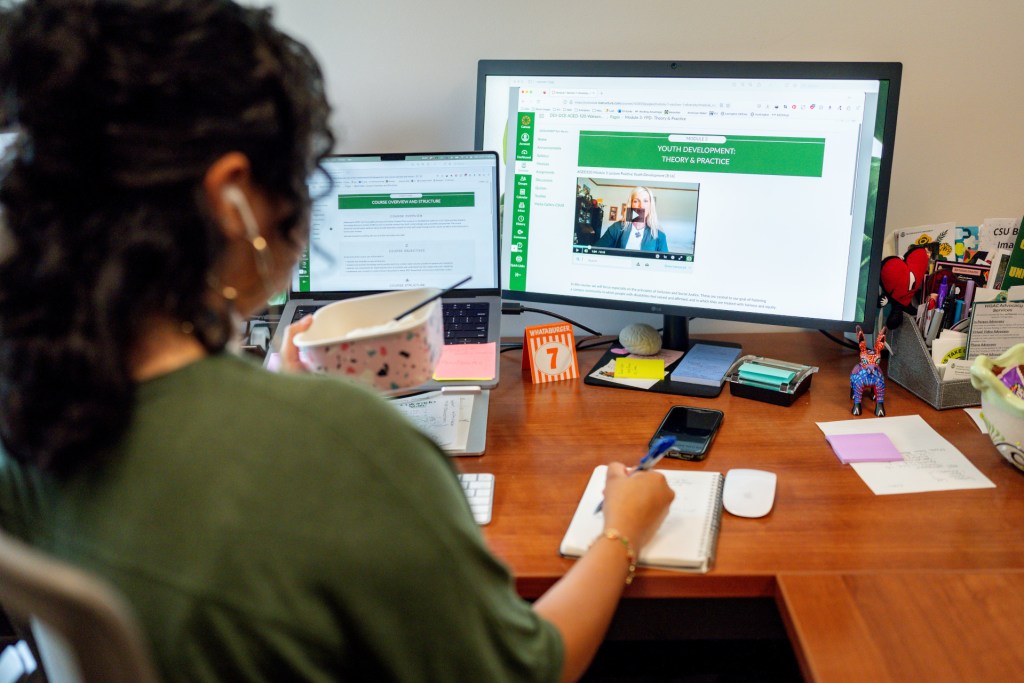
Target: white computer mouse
[{"x": 749, "y": 493}]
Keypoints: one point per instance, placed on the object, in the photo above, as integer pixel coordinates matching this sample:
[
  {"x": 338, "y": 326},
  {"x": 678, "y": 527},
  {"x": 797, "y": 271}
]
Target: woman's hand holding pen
[
  {"x": 289, "y": 352},
  {"x": 582, "y": 602},
  {"x": 636, "y": 504}
]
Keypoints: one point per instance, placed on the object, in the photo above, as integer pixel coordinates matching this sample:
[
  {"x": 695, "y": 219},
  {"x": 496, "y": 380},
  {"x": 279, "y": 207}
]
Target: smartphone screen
[{"x": 693, "y": 429}]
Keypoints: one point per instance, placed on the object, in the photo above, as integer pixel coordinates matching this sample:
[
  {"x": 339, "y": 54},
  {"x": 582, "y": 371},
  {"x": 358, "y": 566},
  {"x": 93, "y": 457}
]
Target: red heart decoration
[{"x": 902, "y": 277}]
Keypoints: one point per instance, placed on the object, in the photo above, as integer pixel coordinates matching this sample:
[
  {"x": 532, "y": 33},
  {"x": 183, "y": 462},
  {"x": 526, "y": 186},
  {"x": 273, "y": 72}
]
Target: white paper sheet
[
  {"x": 930, "y": 463},
  {"x": 975, "y": 414},
  {"x": 445, "y": 418}
]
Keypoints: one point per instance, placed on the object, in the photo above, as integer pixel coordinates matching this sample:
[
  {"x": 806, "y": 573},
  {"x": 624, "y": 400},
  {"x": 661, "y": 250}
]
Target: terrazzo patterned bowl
[
  {"x": 1001, "y": 410},
  {"x": 359, "y": 340}
]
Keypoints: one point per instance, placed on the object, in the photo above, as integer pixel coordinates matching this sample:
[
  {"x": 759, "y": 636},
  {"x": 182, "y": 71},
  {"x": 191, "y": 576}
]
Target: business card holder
[{"x": 769, "y": 380}]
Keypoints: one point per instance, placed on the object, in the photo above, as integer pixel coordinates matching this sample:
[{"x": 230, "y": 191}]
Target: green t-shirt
[{"x": 269, "y": 528}]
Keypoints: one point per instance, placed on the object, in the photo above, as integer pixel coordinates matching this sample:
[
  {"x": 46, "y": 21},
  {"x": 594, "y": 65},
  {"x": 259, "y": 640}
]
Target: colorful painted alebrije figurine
[{"x": 867, "y": 374}]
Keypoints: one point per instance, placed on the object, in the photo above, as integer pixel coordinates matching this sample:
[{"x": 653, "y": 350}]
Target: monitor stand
[
  {"x": 675, "y": 333},
  {"x": 676, "y": 336}
]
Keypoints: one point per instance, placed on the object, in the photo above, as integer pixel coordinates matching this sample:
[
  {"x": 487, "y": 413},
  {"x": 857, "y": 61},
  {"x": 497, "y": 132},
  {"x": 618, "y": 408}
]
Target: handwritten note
[
  {"x": 606, "y": 372},
  {"x": 466, "y": 361},
  {"x": 705, "y": 364},
  {"x": 639, "y": 368},
  {"x": 444, "y": 418},
  {"x": 930, "y": 463}
]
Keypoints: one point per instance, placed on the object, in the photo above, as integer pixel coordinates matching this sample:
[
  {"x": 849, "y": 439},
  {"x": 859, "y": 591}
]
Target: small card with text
[{"x": 549, "y": 353}]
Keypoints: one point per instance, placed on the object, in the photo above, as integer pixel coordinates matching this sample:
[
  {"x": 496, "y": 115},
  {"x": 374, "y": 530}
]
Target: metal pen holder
[{"x": 910, "y": 366}]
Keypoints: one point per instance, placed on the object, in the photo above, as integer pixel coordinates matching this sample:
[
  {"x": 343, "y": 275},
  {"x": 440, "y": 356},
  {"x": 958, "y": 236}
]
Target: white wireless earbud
[{"x": 237, "y": 198}]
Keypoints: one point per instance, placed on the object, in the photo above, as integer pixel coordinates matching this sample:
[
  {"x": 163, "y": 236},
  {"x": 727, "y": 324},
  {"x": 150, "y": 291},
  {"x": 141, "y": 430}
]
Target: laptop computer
[{"x": 384, "y": 222}]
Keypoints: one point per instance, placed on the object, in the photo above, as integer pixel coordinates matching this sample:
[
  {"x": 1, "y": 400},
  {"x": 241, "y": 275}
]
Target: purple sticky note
[{"x": 873, "y": 447}]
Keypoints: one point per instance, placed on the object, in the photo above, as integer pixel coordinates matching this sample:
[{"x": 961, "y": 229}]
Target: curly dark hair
[{"x": 120, "y": 107}]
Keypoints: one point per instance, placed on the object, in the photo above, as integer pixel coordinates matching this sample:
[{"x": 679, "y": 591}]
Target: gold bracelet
[{"x": 616, "y": 535}]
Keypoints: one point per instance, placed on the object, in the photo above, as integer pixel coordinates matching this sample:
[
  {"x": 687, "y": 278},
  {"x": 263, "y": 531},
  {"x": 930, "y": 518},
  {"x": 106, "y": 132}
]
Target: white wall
[{"x": 402, "y": 75}]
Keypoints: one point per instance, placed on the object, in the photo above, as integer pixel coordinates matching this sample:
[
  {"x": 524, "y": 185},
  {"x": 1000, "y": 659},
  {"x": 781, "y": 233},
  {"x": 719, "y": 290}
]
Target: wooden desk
[
  {"x": 932, "y": 626},
  {"x": 544, "y": 441}
]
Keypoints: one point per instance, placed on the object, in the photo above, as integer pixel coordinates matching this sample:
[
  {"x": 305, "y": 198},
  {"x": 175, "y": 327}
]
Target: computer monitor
[{"x": 743, "y": 191}]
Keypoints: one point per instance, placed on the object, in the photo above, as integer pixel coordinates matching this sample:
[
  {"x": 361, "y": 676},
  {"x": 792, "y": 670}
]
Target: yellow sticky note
[{"x": 639, "y": 368}]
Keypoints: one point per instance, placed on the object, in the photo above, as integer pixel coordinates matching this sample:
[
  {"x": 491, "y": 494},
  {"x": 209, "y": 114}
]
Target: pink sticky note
[
  {"x": 872, "y": 447},
  {"x": 466, "y": 361}
]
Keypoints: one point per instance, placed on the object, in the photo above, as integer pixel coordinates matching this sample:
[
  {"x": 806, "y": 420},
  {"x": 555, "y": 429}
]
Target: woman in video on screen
[
  {"x": 639, "y": 228},
  {"x": 263, "y": 526}
]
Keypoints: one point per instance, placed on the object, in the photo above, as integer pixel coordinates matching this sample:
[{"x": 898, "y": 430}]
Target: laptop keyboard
[
  {"x": 479, "y": 490},
  {"x": 464, "y": 323},
  {"x": 302, "y": 311}
]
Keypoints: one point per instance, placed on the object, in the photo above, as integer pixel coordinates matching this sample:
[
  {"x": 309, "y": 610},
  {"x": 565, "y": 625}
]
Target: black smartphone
[{"x": 693, "y": 428}]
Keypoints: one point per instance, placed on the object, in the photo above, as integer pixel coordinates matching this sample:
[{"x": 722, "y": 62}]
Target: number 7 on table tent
[{"x": 549, "y": 353}]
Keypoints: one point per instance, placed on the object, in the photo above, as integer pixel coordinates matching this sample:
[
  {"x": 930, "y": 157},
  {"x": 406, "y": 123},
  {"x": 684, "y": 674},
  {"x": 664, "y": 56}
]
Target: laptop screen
[{"x": 402, "y": 221}]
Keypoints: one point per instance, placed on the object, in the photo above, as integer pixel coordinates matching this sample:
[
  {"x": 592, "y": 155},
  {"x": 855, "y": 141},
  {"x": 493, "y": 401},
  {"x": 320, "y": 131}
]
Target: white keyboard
[{"x": 479, "y": 489}]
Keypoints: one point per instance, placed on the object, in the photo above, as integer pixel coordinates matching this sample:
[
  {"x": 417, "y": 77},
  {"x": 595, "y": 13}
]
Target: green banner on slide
[
  {"x": 746, "y": 154},
  {"x": 444, "y": 200}
]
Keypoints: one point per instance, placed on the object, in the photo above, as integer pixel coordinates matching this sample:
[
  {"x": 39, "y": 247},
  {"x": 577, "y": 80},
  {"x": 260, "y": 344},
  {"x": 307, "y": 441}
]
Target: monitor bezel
[{"x": 891, "y": 72}]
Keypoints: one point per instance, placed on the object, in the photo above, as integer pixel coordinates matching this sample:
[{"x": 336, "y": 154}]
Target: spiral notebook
[{"x": 686, "y": 539}]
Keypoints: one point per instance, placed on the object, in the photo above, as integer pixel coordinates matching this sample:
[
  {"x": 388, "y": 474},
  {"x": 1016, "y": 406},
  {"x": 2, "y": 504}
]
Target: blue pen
[{"x": 655, "y": 453}]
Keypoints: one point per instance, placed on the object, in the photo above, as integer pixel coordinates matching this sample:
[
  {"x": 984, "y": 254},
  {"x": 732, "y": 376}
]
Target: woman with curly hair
[{"x": 262, "y": 526}]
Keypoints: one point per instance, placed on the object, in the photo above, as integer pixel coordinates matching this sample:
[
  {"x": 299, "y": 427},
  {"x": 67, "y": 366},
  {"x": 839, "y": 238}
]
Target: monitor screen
[{"x": 745, "y": 191}]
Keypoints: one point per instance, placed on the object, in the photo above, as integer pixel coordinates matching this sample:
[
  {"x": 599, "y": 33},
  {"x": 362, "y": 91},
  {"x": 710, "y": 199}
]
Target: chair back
[{"x": 83, "y": 629}]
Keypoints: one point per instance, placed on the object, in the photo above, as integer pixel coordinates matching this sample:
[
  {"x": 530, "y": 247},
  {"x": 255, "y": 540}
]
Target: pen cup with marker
[{"x": 769, "y": 380}]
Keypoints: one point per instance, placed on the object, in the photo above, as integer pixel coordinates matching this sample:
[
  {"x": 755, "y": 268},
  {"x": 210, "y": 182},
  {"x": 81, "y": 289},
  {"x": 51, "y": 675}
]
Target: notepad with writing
[
  {"x": 705, "y": 364},
  {"x": 686, "y": 539}
]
